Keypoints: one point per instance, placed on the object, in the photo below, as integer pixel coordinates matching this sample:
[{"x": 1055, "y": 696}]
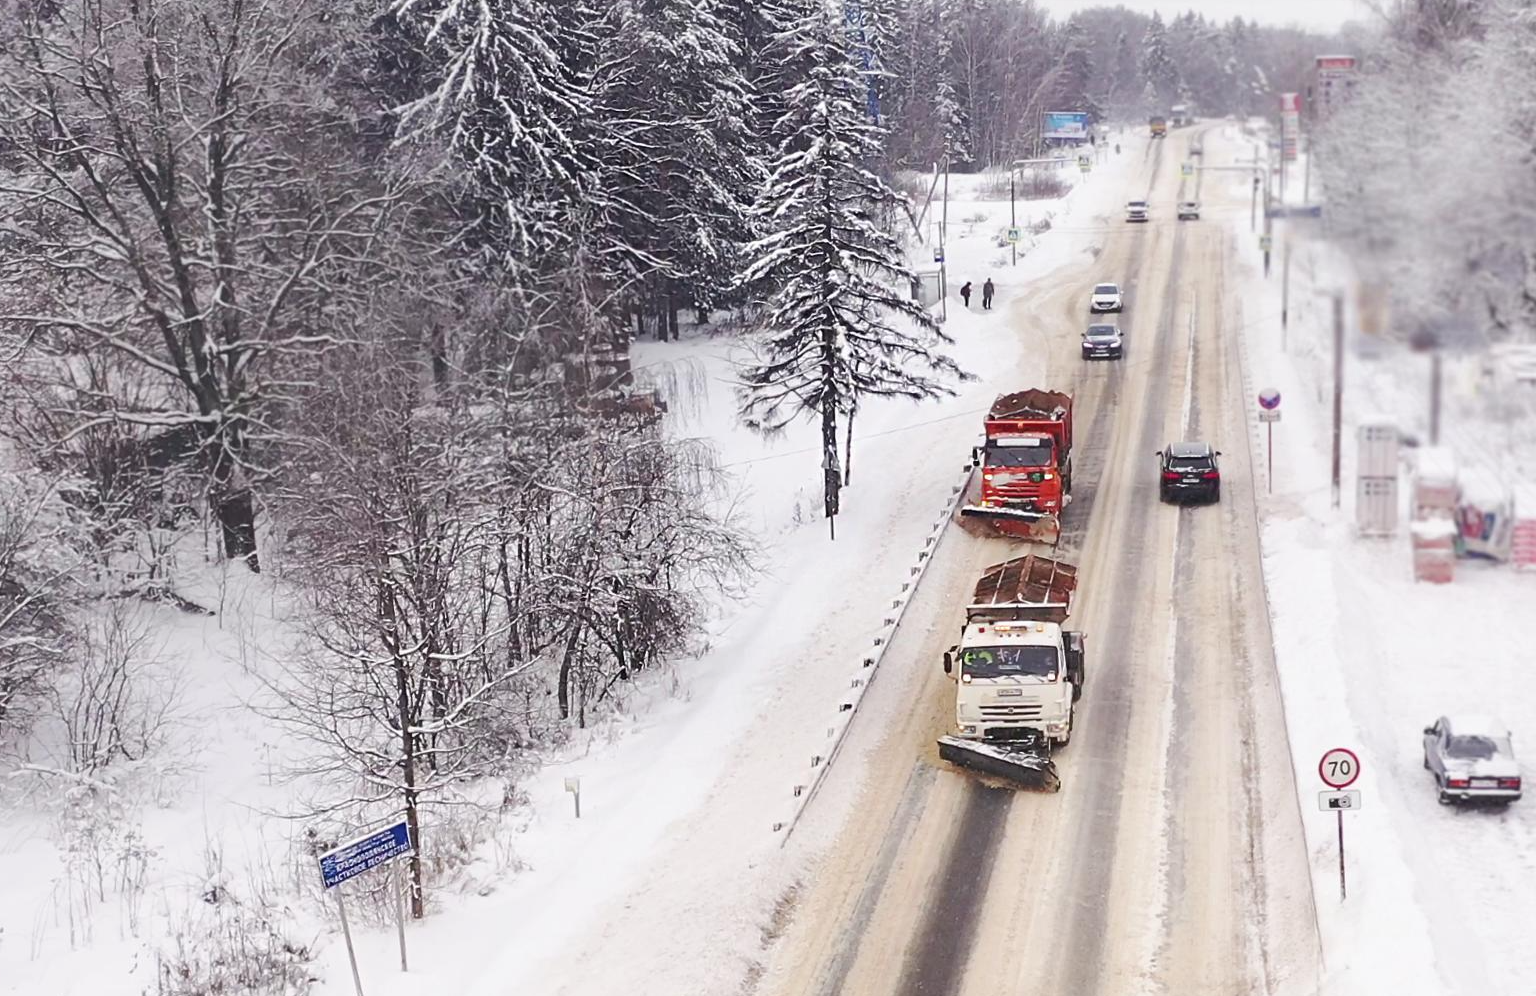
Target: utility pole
[
  {"x": 944, "y": 256},
  {"x": 1253, "y": 206},
  {"x": 1285, "y": 290},
  {"x": 1306, "y": 175},
  {"x": 1013, "y": 217},
  {"x": 1338, "y": 392},
  {"x": 1434, "y": 395},
  {"x": 1269, "y": 221}
]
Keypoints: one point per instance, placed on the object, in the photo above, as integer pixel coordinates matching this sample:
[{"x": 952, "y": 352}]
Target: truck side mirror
[
  {"x": 949, "y": 662},
  {"x": 1429, "y": 731}
]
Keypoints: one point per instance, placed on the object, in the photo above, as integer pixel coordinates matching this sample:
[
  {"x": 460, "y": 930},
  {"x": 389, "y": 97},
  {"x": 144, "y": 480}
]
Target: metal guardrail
[{"x": 821, "y": 761}]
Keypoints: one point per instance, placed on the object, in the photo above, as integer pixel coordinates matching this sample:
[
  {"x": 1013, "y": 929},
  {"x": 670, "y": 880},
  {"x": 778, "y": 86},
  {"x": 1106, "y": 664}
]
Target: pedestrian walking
[
  {"x": 986, "y": 295},
  {"x": 965, "y": 293}
]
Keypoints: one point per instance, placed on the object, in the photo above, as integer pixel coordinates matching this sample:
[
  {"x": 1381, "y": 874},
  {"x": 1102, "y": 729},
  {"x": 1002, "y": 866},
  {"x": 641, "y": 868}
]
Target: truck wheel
[{"x": 1067, "y": 737}]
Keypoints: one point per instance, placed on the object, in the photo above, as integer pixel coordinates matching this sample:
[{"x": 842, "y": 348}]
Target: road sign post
[
  {"x": 358, "y": 855},
  {"x": 1338, "y": 769},
  {"x": 1269, "y": 414}
]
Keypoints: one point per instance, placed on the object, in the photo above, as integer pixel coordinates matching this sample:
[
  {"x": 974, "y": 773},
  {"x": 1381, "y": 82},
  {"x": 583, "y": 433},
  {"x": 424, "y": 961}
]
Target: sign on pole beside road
[
  {"x": 1269, "y": 411},
  {"x": 1339, "y": 768},
  {"x": 363, "y": 853},
  {"x": 1015, "y": 235},
  {"x": 1330, "y": 802},
  {"x": 360, "y": 854}
]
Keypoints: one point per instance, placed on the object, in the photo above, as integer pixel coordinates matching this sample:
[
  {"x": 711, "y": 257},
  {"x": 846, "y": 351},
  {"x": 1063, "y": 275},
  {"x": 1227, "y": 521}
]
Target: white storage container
[
  {"x": 1376, "y": 506},
  {"x": 1378, "y": 448}
]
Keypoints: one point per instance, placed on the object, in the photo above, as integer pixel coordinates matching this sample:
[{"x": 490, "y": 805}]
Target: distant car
[
  {"x": 1103, "y": 342},
  {"x": 1189, "y": 470},
  {"x": 1106, "y": 297},
  {"x": 1189, "y": 210},
  {"x": 1472, "y": 760},
  {"x": 1136, "y": 211}
]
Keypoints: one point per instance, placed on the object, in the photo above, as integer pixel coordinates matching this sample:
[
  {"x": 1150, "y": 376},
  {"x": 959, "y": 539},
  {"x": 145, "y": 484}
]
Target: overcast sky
[{"x": 1321, "y": 15}]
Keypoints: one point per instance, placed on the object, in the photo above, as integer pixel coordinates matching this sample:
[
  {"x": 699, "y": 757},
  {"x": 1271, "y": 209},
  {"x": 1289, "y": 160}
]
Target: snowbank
[{"x": 1437, "y": 897}]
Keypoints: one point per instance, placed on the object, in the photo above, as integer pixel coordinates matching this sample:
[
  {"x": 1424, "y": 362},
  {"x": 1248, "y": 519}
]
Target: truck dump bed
[
  {"x": 1026, "y": 589},
  {"x": 1033, "y": 410}
]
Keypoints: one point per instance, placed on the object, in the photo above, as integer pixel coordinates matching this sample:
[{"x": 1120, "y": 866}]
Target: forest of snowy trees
[
  {"x": 1431, "y": 171},
  {"x": 340, "y": 292}
]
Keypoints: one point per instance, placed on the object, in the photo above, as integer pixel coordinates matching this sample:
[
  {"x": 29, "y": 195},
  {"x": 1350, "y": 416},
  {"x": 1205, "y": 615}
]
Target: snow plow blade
[
  {"x": 1042, "y": 527},
  {"x": 1026, "y": 765}
]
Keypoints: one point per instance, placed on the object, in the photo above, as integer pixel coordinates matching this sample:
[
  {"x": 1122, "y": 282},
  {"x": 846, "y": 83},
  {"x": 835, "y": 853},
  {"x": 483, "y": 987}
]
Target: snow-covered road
[{"x": 1172, "y": 860}]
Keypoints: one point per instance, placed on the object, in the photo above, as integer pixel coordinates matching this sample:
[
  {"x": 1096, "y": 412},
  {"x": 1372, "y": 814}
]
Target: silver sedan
[{"x": 1471, "y": 759}]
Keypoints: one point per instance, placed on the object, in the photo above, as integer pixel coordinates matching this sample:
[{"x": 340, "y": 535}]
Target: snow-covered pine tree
[
  {"x": 503, "y": 89},
  {"x": 1075, "y": 77},
  {"x": 948, "y": 113},
  {"x": 1158, "y": 70},
  {"x": 677, "y": 151},
  {"x": 838, "y": 326}
]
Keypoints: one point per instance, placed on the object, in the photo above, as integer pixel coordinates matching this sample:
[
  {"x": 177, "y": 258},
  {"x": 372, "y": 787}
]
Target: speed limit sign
[{"x": 1339, "y": 768}]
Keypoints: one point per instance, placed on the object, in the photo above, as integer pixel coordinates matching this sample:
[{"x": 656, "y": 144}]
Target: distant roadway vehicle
[
  {"x": 1189, "y": 470},
  {"x": 1106, "y": 297},
  {"x": 1472, "y": 760},
  {"x": 1103, "y": 342}
]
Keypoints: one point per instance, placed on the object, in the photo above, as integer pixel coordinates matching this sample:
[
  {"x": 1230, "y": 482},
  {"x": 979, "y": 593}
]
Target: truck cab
[
  {"x": 1018, "y": 672},
  {"x": 1017, "y": 680}
]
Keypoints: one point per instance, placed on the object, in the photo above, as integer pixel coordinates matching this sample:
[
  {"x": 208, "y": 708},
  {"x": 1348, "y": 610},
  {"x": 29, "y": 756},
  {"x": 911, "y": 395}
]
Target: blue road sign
[
  {"x": 1294, "y": 211},
  {"x": 360, "y": 854}
]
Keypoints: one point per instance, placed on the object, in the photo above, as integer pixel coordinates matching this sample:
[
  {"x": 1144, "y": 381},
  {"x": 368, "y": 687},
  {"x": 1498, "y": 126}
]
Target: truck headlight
[{"x": 967, "y": 729}]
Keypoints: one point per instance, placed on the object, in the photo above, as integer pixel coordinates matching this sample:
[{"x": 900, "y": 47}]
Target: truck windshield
[
  {"x": 1010, "y": 662},
  {"x": 1018, "y": 456}
]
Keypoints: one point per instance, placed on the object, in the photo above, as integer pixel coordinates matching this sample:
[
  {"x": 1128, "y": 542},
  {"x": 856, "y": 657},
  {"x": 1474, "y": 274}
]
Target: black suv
[{"x": 1189, "y": 470}]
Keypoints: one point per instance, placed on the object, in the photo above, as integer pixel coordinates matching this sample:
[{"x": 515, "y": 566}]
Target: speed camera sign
[{"x": 1339, "y": 768}]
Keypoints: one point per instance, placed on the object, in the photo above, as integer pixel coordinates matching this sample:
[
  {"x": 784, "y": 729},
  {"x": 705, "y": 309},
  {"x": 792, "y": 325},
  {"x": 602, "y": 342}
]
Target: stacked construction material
[
  {"x": 1434, "y": 516},
  {"x": 1485, "y": 516},
  {"x": 1522, "y": 547},
  {"x": 1434, "y": 550},
  {"x": 1376, "y": 478}
]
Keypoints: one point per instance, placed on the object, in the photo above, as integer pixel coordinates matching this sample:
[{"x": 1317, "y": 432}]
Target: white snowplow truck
[{"x": 1018, "y": 673}]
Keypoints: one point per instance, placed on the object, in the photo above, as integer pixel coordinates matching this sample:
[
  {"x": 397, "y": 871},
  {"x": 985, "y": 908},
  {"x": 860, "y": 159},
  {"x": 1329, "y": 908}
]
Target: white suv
[
  {"x": 1136, "y": 211},
  {"x": 1106, "y": 297}
]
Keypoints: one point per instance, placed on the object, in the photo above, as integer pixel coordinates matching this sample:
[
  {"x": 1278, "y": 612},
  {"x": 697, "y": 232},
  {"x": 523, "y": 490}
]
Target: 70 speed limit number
[{"x": 1339, "y": 768}]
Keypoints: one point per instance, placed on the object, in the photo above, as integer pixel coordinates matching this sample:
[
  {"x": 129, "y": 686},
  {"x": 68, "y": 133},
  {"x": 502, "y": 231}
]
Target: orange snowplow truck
[{"x": 1026, "y": 465}]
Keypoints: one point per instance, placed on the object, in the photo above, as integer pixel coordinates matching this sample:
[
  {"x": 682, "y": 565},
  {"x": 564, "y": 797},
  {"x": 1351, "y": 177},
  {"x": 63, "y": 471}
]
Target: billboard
[
  {"x": 1335, "y": 78},
  {"x": 1070, "y": 126},
  {"x": 1290, "y": 124},
  {"x": 1335, "y": 66}
]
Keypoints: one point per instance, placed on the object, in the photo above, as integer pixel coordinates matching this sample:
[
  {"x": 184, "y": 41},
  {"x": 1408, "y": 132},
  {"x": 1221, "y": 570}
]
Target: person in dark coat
[
  {"x": 986, "y": 295},
  {"x": 965, "y": 293}
]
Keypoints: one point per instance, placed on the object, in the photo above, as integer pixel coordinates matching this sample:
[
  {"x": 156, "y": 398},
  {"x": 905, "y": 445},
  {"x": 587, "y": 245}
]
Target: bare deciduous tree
[{"x": 195, "y": 192}]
